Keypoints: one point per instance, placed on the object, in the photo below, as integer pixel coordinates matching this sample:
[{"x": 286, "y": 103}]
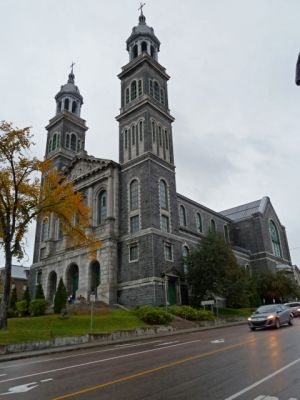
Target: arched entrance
[
  {"x": 95, "y": 277},
  {"x": 72, "y": 279},
  {"x": 52, "y": 282}
]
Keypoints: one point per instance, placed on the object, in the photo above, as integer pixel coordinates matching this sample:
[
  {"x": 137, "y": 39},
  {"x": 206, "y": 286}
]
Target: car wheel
[
  {"x": 291, "y": 321},
  {"x": 252, "y": 328},
  {"x": 277, "y": 323}
]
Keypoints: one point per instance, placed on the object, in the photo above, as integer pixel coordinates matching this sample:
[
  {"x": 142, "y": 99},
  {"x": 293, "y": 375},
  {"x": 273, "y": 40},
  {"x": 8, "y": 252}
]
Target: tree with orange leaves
[{"x": 24, "y": 197}]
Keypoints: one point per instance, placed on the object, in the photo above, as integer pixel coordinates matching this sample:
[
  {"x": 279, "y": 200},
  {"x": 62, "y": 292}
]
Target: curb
[{"x": 161, "y": 332}]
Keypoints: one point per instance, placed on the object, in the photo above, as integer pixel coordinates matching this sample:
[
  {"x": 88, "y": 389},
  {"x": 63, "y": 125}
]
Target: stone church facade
[{"x": 146, "y": 228}]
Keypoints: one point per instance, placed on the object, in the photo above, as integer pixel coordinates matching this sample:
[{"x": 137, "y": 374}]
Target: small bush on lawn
[
  {"x": 192, "y": 314},
  {"x": 21, "y": 308},
  {"x": 60, "y": 298},
  {"x": 153, "y": 315},
  {"x": 37, "y": 307},
  {"x": 39, "y": 292}
]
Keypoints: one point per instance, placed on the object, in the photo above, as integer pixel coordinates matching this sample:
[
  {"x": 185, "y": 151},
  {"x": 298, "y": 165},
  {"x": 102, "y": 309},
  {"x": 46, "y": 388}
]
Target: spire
[
  {"x": 142, "y": 18},
  {"x": 71, "y": 78}
]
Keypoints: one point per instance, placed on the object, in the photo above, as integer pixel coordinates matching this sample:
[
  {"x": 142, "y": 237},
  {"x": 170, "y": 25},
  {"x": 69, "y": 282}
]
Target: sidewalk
[{"x": 96, "y": 340}]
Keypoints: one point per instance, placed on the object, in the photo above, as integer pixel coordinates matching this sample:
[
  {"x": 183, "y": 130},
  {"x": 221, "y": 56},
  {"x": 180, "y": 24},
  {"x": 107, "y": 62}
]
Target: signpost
[{"x": 208, "y": 303}]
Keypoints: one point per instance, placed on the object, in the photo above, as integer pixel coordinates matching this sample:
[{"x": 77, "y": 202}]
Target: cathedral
[{"x": 146, "y": 228}]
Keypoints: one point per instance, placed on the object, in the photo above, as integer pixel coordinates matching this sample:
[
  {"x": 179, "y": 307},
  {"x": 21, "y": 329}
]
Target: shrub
[
  {"x": 60, "y": 298},
  {"x": 26, "y": 297},
  {"x": 153, "y": 315},
  {"x": 21, "y": 308},
  {"x": 190, "y": 313},
  {"x": 38, "y": 307},
  {"x": 39, "y": 293}
]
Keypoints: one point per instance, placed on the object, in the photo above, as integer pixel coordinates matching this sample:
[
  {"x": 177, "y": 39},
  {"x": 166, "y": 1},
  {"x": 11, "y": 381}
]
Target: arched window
[
  {"x": 73, "y": 142},
  {"x": 226, "y": 233},
  {"x": 126, "y": 138},
  {"x": 54, "y": 141},
  {"x": 134, "y": 51},
  {"x": 134, "y": 195},
  {"x": 182, "y": 217},
  {"x": 159, "y": 135},
  {"x": 152, "y": 51},
  {"x": 133, "y": 135},
  {"x": 166, "y": 139},
  {"x": 185, "y": 255},
  {"x": 74, "y": 107},
  {"x": 213, "y": 226},
  {"x": 151, "y": 87},
  {"x": 140, "y": 87},
  {"x": 45, "y": 229},
  {"x": 144, "y": 47},
  {"x": 59, "y": 107},
  {"x": 67, "y": 141},
  {"x": 162, "y": 96},
  {"x": 50, "y": 145},
  {"x": 163, "y": 194},
  {"x": 141, "y": 130},
  {"x": 153, "y": 131},
  {"x": 127, "y": 98},
  {"x": 199, "y": 222},
  {"x": 133, "y": 90},
  {"x": 102, "y": 207},
  {"x": 275, "y": 239},
  {"x": 66, "y": 106},
  {"x": 156, "y": 91}
]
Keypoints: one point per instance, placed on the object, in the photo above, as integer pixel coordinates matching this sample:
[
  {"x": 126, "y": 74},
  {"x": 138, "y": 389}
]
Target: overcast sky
[{"x": 232, "y": 90}]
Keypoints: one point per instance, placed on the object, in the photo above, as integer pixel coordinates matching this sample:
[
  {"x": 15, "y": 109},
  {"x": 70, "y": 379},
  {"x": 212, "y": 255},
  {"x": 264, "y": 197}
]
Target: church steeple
[
  {"x": 69, "y": 97},
  {"x": 66, "y": 131},
  {"x": 142, "y": 39}
]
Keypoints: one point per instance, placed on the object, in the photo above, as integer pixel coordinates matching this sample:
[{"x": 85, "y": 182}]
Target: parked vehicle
[
  {"x": 295, "y": 307},
  {"x": 270, "y": 316}
]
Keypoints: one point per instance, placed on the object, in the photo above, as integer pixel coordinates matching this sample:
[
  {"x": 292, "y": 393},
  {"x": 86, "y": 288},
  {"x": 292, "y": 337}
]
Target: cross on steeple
[
  {"x": 141, "y": 7},
  {"x": 71, "y": 66}
]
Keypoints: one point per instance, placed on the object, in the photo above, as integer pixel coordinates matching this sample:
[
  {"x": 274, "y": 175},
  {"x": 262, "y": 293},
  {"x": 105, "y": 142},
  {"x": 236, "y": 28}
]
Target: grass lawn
[{"x": 46, "y": 327}]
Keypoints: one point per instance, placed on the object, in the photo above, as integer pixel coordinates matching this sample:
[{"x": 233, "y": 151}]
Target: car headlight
[
  {"x": 298, "y": 309},
  {"x": 249, "y": 319},
  {"x": 270, "y": 317}
]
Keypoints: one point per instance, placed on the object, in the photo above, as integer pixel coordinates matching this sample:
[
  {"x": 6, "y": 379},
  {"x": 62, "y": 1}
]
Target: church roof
[
  {"x": 245, "y": 211},
  {"x": 18, "y": 272},
  {"x": 142, "y": 29}
]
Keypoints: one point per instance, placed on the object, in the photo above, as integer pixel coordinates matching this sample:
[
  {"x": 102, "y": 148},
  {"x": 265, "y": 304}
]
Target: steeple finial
[
  {"x": 71, "y": 74},
  {"x": 142, "y": 18}
]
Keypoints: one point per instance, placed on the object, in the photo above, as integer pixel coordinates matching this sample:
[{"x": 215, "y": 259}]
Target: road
[{"x": 221, "y": 364}]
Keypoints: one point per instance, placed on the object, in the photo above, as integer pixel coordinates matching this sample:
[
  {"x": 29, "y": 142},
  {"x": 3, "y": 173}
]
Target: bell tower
[
  {"x": 66, "y": 130},
  {"x": 149, "y": 216}
]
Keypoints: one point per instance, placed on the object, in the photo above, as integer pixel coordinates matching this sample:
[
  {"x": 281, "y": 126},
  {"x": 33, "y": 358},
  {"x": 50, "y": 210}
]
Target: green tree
[
  {"x": 25, "y": 197},
  {"x": 39, "y": 292},
  {"x": 275, "y": 286},
  {"x": 214, "y": 271},
  {"x": 60, "y": 299},
  {"x": 27, "y": 298}
]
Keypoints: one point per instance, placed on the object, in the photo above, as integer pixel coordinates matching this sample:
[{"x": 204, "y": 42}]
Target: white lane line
[
  {"x": 166, "y": 343},
  {"x": 77, "y": 355},
  {"x": 257, "y": 383},
  {"x": 98, "y": 361},
  {"x": 3, "y": 374},
  {"x": 46, "y": 380},
  {"x": 133, "y": 345}
]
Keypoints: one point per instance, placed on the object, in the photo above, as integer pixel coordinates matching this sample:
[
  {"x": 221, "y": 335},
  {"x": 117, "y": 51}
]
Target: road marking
[
  {"x": 101, "y": 361},
  {"x": 137, "y": 344},
  {"x": 3, "y": 374},
  {"x": 153, "y": 370},
  {"x": 21, "y": 388},
  {"x": 77, "y": 355},
  {"x": 166, "y": 343},
  {"x": 263, "y": 397},
  {"x": 217, "y": 341},
  {"x": 46, "y": 380},
  {"x": 257, "y": 383}
]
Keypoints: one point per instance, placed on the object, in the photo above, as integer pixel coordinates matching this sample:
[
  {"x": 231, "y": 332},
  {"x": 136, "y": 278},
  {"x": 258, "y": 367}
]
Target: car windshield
[{"x": 266, "y": 309}]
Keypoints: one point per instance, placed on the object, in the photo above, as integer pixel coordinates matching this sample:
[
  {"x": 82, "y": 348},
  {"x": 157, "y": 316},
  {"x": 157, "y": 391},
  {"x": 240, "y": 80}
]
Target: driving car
[
  {"x": 295, "y": 308},
  {"x": 270, "y": 316}
]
